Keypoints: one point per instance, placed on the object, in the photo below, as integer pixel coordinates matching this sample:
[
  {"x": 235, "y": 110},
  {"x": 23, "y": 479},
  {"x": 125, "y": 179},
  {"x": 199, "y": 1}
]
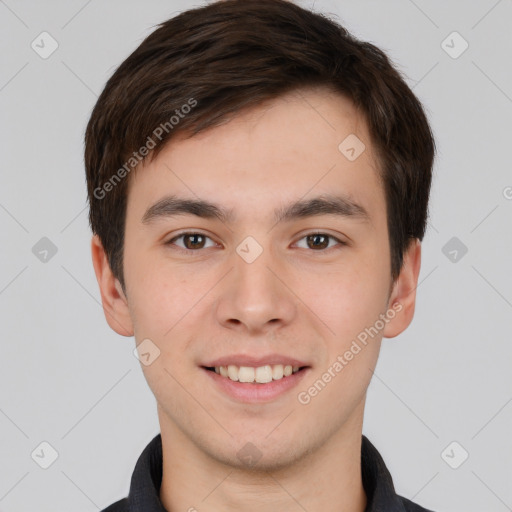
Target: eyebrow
[{"x": 326, "y": 204}]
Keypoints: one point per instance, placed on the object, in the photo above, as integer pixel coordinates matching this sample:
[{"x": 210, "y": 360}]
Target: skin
[{"x": 294, "y": 299}]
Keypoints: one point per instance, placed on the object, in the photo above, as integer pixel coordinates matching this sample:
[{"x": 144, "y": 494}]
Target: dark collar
[{"x": 147, "y": 478}]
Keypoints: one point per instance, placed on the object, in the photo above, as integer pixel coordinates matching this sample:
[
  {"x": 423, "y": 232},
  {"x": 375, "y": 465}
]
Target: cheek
[
  {"x": 345, "y": 300},
  {"x": 165, "y": 299},
  {"x": 349, "y": 303}
]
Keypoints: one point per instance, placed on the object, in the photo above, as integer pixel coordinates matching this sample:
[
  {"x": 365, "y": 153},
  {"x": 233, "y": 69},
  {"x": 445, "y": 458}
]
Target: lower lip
[{"x": 253, "y": 392}]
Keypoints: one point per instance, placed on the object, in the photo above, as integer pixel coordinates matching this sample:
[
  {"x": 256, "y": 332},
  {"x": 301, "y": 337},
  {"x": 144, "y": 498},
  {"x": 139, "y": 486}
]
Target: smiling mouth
[{"x": 255, "y": 375}]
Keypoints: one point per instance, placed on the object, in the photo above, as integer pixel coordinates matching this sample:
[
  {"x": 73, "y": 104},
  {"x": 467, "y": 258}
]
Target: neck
[{"x": 327, "y": 479}]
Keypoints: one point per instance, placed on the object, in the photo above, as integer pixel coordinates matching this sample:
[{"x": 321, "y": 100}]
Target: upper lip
[{"x": 248, "y": 360}]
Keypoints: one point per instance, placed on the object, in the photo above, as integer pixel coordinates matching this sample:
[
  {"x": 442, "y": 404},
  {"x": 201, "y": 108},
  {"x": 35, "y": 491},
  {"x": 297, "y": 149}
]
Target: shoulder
[
  {"x": 118, "y": 506},
  {"x": 410, "y": 506}
]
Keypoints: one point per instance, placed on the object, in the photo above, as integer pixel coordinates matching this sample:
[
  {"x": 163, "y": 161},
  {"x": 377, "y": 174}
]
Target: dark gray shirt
[{"x": 147, "y": 478}]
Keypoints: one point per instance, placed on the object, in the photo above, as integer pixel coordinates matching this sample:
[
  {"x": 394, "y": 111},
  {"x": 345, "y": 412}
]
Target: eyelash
[{"x": 341, "y": 243}]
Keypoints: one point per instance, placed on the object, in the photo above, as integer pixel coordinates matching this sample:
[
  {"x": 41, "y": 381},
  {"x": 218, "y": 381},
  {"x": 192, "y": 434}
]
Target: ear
[
  {"x": 403, "y": 295},
  {"x": 115, "y": 304}
]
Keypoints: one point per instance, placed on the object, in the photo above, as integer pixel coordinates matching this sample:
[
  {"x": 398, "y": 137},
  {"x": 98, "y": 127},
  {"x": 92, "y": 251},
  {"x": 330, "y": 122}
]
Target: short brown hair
[{"x": 229, "y": 55}]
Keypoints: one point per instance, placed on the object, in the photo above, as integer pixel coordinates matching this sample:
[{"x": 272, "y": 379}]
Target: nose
[{"x": 255, "y": 297}]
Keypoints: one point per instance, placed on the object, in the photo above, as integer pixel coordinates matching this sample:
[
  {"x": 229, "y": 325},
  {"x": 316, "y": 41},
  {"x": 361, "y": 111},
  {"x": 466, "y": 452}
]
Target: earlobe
[
  {"x": 115, "y": 304},
  {"x": 403, "y": 297}
]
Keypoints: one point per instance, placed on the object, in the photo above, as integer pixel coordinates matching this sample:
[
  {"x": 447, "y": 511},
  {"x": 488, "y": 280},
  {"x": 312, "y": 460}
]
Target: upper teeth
[{"x": 261, "y": 374}]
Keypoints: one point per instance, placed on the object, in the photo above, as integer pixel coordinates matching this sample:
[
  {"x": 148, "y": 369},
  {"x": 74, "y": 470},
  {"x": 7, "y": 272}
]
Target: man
[{"x": 258, "y": 183}]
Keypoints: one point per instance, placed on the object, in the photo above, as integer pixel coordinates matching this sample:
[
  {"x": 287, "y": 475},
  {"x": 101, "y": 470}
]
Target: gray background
[{"x": 69, "y": 380}]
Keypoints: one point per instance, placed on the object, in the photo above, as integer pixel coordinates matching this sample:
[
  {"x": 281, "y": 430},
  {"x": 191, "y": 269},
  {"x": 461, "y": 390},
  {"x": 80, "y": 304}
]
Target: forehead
[{"x": 310, "y": 141}]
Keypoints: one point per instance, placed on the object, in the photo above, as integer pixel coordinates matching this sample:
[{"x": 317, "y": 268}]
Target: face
[{"x": 265, "y": 283}]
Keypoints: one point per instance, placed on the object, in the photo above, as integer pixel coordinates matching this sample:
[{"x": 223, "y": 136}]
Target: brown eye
[
  {"x": 318, "y": 241},
  {"x": 191, "y": 241}
]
